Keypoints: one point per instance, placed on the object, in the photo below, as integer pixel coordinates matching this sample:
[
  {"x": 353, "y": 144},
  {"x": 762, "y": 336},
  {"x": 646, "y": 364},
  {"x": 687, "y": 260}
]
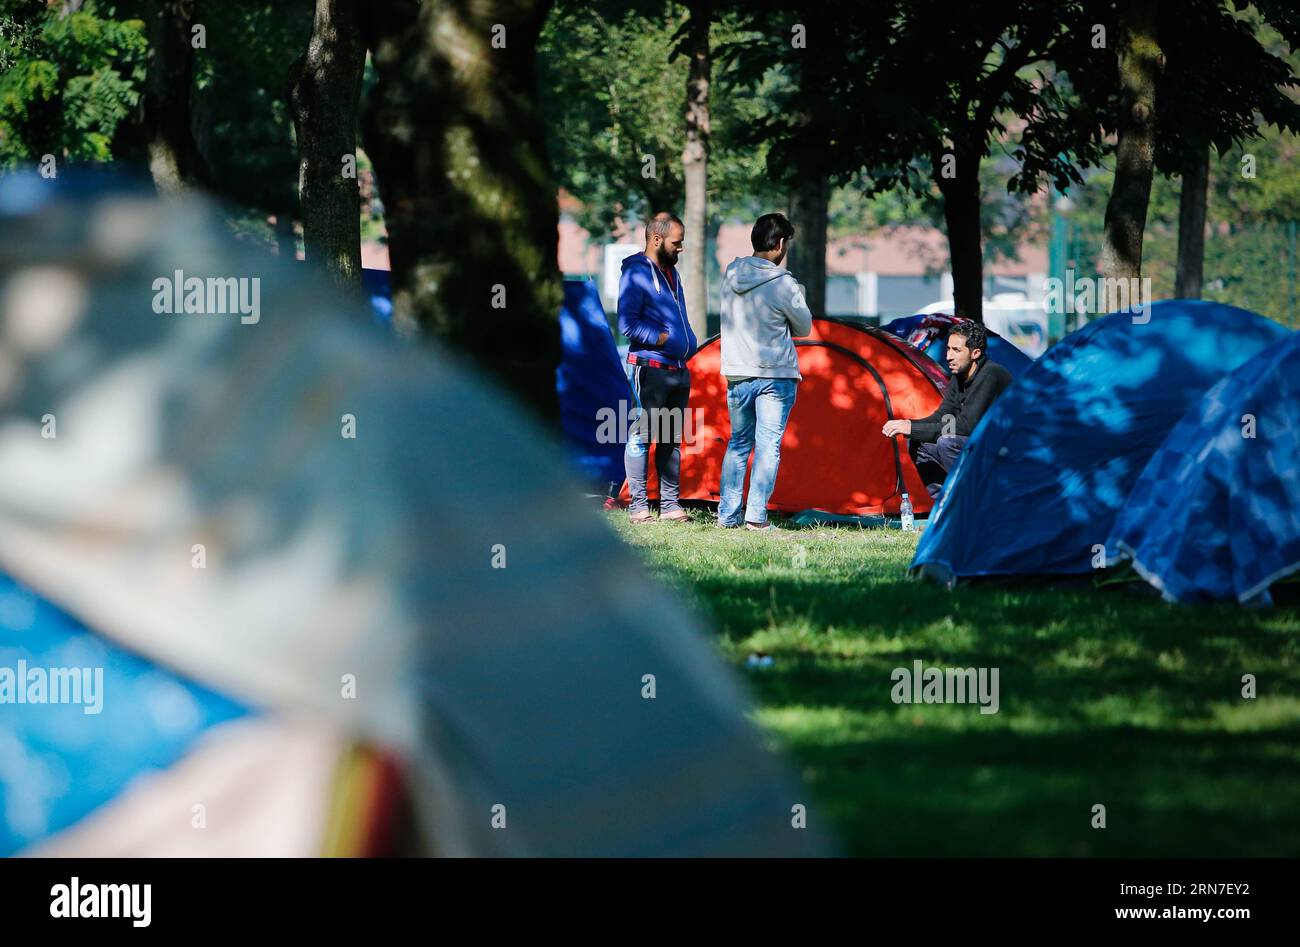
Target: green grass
[{"x": 1108, "y": 696}]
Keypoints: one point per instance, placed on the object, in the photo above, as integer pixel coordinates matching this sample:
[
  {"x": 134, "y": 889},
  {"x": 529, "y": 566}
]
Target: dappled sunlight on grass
[{"x": 1107, "y": 696}]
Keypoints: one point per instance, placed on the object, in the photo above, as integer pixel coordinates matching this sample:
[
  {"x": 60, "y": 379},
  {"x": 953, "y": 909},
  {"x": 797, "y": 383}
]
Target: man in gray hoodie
[{"x": 763, "y": 310}]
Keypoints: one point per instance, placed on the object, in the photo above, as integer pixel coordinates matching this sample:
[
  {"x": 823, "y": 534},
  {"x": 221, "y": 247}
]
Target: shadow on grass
[
  {"x": 1000, "y": 793},
  {"x": 1106, "y": 697}
]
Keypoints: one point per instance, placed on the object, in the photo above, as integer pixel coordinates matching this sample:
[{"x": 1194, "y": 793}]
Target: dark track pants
[
  {"x": 658, "y": 416},
  {"x": 934, "y": 460}
]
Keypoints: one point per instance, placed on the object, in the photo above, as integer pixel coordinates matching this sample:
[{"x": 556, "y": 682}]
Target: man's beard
[{"x": 665, "y": 259}]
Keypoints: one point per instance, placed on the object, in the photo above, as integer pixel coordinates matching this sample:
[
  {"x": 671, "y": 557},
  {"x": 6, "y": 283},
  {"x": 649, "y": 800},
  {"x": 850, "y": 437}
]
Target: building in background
[{"x": 880, "y": 276}]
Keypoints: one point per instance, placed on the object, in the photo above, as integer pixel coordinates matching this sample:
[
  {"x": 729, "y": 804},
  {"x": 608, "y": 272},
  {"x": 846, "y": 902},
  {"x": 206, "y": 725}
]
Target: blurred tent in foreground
[{"x": 431, "y": 589}]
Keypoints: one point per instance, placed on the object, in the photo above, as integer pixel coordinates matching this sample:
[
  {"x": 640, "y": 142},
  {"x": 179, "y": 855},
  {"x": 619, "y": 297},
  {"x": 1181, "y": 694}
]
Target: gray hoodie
[{"x": 763, "y": 310}]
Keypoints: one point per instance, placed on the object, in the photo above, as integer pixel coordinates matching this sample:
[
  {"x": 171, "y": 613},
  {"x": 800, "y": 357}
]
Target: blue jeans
[{"x": 759, "y": 409}]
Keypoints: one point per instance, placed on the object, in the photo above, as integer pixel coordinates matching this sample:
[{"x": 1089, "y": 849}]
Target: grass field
[{"x": 1108, "y": 696}]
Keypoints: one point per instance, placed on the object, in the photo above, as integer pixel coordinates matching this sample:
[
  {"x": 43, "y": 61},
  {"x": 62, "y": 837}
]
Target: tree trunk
[
  {"x": 809, "y": 202},
  {"x": 695, "y": 166},
  {"x": 961, "y": 214},
  {"x": 174, "y": 161},
  {"x": 809, "y": 188},
  {"x": 1140, "y": 61},
  {"x": 325, "y": 95},
  {"x": 459, "y": 149},
  {"x": 1191, "y": 227}
]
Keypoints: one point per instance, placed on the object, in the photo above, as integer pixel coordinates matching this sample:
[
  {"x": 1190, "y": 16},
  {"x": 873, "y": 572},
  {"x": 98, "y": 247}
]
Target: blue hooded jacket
[{"x": 647, "y": 307}]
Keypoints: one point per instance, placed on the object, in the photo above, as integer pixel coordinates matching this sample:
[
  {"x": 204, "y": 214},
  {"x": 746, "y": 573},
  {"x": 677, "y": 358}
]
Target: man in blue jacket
[{"x": 652, "y": 314}]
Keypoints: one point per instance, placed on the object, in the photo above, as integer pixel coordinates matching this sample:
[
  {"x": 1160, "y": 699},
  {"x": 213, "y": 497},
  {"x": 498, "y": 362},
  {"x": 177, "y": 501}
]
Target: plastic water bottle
[{"x": 905, "y": 511}]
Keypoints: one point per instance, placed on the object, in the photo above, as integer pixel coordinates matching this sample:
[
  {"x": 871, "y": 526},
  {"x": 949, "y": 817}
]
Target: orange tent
[{"x": 833, "y": 457}]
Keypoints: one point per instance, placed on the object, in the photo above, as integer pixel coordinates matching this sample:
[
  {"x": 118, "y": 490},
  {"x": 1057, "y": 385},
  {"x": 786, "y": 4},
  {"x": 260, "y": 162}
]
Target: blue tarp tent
[
  {"x": 1001, "y": 351},
  {"x": 1046, "y": 471},
  {"x": 377, "y": 286},
  {"x": 76, "y": 757},
  {"x": 590, "y": 380},
  {"x": 1216, "y": 512}
]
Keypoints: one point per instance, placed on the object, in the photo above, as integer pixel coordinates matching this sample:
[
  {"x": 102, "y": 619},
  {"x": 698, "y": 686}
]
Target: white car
[{"x": 1014, "y": 316}]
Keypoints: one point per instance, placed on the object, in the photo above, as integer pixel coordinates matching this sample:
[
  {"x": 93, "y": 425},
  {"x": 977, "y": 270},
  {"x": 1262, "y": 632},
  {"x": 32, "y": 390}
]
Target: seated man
[{"x": 936, "y": 440}]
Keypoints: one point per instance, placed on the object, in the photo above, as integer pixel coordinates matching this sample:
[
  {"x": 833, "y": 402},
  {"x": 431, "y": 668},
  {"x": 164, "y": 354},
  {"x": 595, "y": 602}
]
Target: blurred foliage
[
  {"x": 611, "y": 96},
  {"x": 891, "y": 91},
  {"x": 1250, "y": 256},
  {"x": 71, "y": 77},
  {"x": 1253, "y": 210},
  {"x": 882, "y": 90},
  {"x": 71, "y": 83},
  {"x": 372, "y": 208},
  {"x": 1022, "y": 83},
  {"x": 241, "y": 117},
  {"x": 1229, "y": 76},
  {"x": 67, "y": 79}
]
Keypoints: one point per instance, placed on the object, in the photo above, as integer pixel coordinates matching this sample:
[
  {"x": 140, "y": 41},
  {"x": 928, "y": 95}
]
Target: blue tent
[
  {"x": 1001, "y": 351},
  {"x": 1046, "y": 471},
  {"x": 78, "y": 756},
  {"x": 591, "y": 383},
  {"x": 377, "y": 286},
  {"x": 1216, "y": 512}
]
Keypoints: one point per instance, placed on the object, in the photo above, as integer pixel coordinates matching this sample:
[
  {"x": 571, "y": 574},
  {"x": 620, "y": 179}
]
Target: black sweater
[{"x": 966, "y": 401}]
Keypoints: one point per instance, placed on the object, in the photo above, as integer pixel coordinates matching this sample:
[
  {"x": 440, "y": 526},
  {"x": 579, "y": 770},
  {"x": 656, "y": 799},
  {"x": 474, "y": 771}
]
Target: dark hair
[
  {"x": 976, "y": 336},
  {"x": 660, "y": 224},
  {"x": 768, "y": 231}
]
